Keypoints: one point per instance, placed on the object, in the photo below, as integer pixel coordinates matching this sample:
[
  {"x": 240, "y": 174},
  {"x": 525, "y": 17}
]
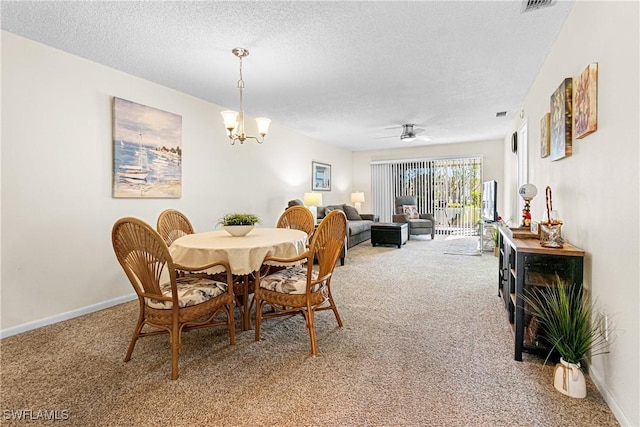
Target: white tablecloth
[{"x": 244, "y": 254}]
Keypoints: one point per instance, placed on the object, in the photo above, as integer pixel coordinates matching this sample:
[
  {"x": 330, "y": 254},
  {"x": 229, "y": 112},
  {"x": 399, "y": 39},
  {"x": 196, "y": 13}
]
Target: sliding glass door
[{"x": 450, "y": 189}]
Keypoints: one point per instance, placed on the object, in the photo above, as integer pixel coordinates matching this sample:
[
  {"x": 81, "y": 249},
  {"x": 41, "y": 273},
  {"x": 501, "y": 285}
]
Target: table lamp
[
  {"x": 527, "y": 192},
  {"x": 357, "y": 198},
  {"x": 312, "y": 201}
]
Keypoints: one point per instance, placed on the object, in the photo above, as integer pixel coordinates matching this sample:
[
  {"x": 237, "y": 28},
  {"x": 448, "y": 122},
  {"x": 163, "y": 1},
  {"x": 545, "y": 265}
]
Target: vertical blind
[{"x": 450, "y": 189}]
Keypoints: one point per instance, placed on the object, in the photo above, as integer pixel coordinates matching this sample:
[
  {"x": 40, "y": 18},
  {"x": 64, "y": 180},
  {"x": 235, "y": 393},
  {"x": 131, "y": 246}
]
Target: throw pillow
[
  {"x": 334, "y": 207},
  {"x": 322, "y": 212},
  {"x": 352, "y": 213},
  {"x": 410, "y": 211}
]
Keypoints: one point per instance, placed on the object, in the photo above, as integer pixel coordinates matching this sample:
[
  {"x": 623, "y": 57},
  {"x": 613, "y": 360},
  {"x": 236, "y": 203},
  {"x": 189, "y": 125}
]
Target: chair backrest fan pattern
[
  {"x": 143, "y": 255},
  {"x": 173, "y": 224}
]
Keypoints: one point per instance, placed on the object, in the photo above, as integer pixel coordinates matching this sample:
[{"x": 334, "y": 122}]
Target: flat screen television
[{"x": 490, "y": 201}]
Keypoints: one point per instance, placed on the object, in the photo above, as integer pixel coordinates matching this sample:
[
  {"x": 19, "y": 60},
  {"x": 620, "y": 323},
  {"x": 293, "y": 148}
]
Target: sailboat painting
[{"x": 147, "y": 151}]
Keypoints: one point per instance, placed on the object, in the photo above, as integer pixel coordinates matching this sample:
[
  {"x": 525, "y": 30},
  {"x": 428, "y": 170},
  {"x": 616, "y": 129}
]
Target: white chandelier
[{"x": 234, "y": 121}]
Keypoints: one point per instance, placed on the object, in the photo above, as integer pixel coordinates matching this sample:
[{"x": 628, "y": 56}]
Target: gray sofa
[{"x": 359, "y": 225}]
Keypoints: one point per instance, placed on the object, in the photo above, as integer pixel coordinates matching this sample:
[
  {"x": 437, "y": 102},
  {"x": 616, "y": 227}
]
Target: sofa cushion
[
  {"x": 411, "y": 211},
  {"x": 357, "y": 227},
  {"x": 352, "y": 213},
  {"x": 420, "y": 223},
  {"x": 192, "y": 290},
  {"x": 290, "y": 281}
]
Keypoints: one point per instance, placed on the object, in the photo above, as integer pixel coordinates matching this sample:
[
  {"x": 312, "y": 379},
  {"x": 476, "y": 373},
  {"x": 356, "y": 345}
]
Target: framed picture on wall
[
  {"x": 585, "y": 102},
  {"x": 320, "y": 176},
  {"x": 147, "y": 151},
  {"x": 561, "y": 121},
  {"x": 544, "y": 135}
]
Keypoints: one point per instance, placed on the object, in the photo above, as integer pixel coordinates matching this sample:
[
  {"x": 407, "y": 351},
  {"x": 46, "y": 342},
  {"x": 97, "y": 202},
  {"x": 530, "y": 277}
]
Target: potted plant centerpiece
[
  {"x": 239, "y": 224},
  {"x": 565, "y": 317}
]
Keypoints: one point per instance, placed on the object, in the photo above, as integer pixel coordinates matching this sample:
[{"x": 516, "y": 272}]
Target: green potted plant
[
  {"x": 494, "y": 236},
  {"x": 565, "y": 317},
  {"x": 238, "y": 223}
]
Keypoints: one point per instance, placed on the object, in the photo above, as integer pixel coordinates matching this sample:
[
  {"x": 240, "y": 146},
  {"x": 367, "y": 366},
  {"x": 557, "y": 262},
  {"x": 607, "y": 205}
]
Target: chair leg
[
  {"x": 132, "y": 344},
  {"x": 136, "y": 333},
  {"x": 259, "y": 305},
  {"x": 231, "y": 324},
  {"x": 174, "y": 338},
  {"x": 308, "y": 314},
  {"x": 175, "y": 341},
  {"x": 334, "y": 307}
]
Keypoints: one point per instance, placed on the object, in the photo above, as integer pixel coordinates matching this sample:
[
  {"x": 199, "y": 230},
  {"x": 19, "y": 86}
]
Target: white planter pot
[
  {"x": 238, "y": 230},
  {"x": 568, "y": 379}
]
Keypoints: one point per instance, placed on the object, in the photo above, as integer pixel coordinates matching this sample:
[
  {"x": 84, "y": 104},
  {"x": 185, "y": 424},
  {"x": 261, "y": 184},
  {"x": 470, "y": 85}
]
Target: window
[{"x": 448, "y": 188}]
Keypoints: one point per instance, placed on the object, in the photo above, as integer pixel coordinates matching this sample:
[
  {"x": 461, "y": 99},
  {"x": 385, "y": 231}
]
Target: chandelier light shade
[{"x": 234, "y": 120}]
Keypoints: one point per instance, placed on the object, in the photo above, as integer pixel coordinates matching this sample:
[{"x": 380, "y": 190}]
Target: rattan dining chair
[
  {"x": 303, "y": 288},
  {"x": 297, "y": 218},
  {"x": 173, "y": 224},
  {"x": 173, "y": 306}
]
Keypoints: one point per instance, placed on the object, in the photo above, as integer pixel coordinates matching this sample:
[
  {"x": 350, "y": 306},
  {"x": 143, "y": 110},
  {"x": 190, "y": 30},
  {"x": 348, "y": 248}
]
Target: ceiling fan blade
[
  {"x": 385, "y": 137},
  {"x": 424, "y": 138}
]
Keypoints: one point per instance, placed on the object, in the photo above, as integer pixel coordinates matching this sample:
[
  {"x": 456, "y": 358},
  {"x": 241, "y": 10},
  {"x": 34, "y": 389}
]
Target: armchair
[
  {"x": 406, "y": 210},
  {"x": 175, "y": 306}
]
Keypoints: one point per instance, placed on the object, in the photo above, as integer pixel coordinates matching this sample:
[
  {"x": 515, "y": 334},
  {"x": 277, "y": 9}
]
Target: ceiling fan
[{"x": 409, "y": 133}]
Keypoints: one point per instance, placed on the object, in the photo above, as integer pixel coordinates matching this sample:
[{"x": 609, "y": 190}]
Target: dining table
[{"x": 244, "y": 254}]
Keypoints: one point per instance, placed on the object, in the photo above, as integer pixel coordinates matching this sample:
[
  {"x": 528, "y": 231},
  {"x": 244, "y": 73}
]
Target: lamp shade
[
  {"x": 528, "y": 191},
  {"x": 357, "y": 197},
  {"x": 312, "y": 199}
]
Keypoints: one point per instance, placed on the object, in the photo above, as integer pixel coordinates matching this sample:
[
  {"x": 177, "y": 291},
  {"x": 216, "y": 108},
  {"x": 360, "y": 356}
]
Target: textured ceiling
[{"x": 341, "y": 72}]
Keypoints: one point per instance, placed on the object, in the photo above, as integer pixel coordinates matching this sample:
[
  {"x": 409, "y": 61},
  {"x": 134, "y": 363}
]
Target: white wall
[
  {"x": 596, "y": 189},
  {"x": 57, "y": 209},
  {"x": 491, "y": 152}
]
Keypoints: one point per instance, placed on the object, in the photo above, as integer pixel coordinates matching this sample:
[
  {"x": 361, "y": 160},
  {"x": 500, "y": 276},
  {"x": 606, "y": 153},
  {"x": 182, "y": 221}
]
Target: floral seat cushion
[
  {"x": 289, "y": 281},
  {"x": 191, "y": 291}
]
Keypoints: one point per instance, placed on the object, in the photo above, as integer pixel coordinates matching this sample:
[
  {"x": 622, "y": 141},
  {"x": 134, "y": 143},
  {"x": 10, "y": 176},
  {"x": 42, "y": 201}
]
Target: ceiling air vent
[
  {"x": 501, "y": 113},
  {"x": 530, "y": 5}
]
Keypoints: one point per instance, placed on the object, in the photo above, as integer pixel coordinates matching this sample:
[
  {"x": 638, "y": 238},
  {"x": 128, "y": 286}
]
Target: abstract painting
[
  {"x": 585, "y": 102},
  {"x": 147, "y": 151},
  {"x": 560, "y": 122},
  {"x": 545, "y": 137}
]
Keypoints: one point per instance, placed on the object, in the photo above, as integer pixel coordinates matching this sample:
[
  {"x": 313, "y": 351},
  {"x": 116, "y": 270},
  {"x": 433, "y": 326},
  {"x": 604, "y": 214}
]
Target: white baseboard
[
  {"x": 613, "y": 405},
  {"x": 15, "y": 330}
]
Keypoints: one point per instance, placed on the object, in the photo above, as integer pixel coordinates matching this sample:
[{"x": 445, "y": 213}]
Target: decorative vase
[
  {"x": 496, "y": 251},
  {"x": 568, "y": 379},
  {"x": 238, "y": 230},
  {"x": 551, "y": 235}
]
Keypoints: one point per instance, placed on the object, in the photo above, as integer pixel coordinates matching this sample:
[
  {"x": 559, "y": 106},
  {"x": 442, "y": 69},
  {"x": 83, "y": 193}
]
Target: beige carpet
[{"x": 425, "y": 343}]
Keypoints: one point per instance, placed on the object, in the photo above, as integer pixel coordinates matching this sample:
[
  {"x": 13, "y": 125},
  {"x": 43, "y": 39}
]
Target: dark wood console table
[{"x": 525, "y": 263}]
